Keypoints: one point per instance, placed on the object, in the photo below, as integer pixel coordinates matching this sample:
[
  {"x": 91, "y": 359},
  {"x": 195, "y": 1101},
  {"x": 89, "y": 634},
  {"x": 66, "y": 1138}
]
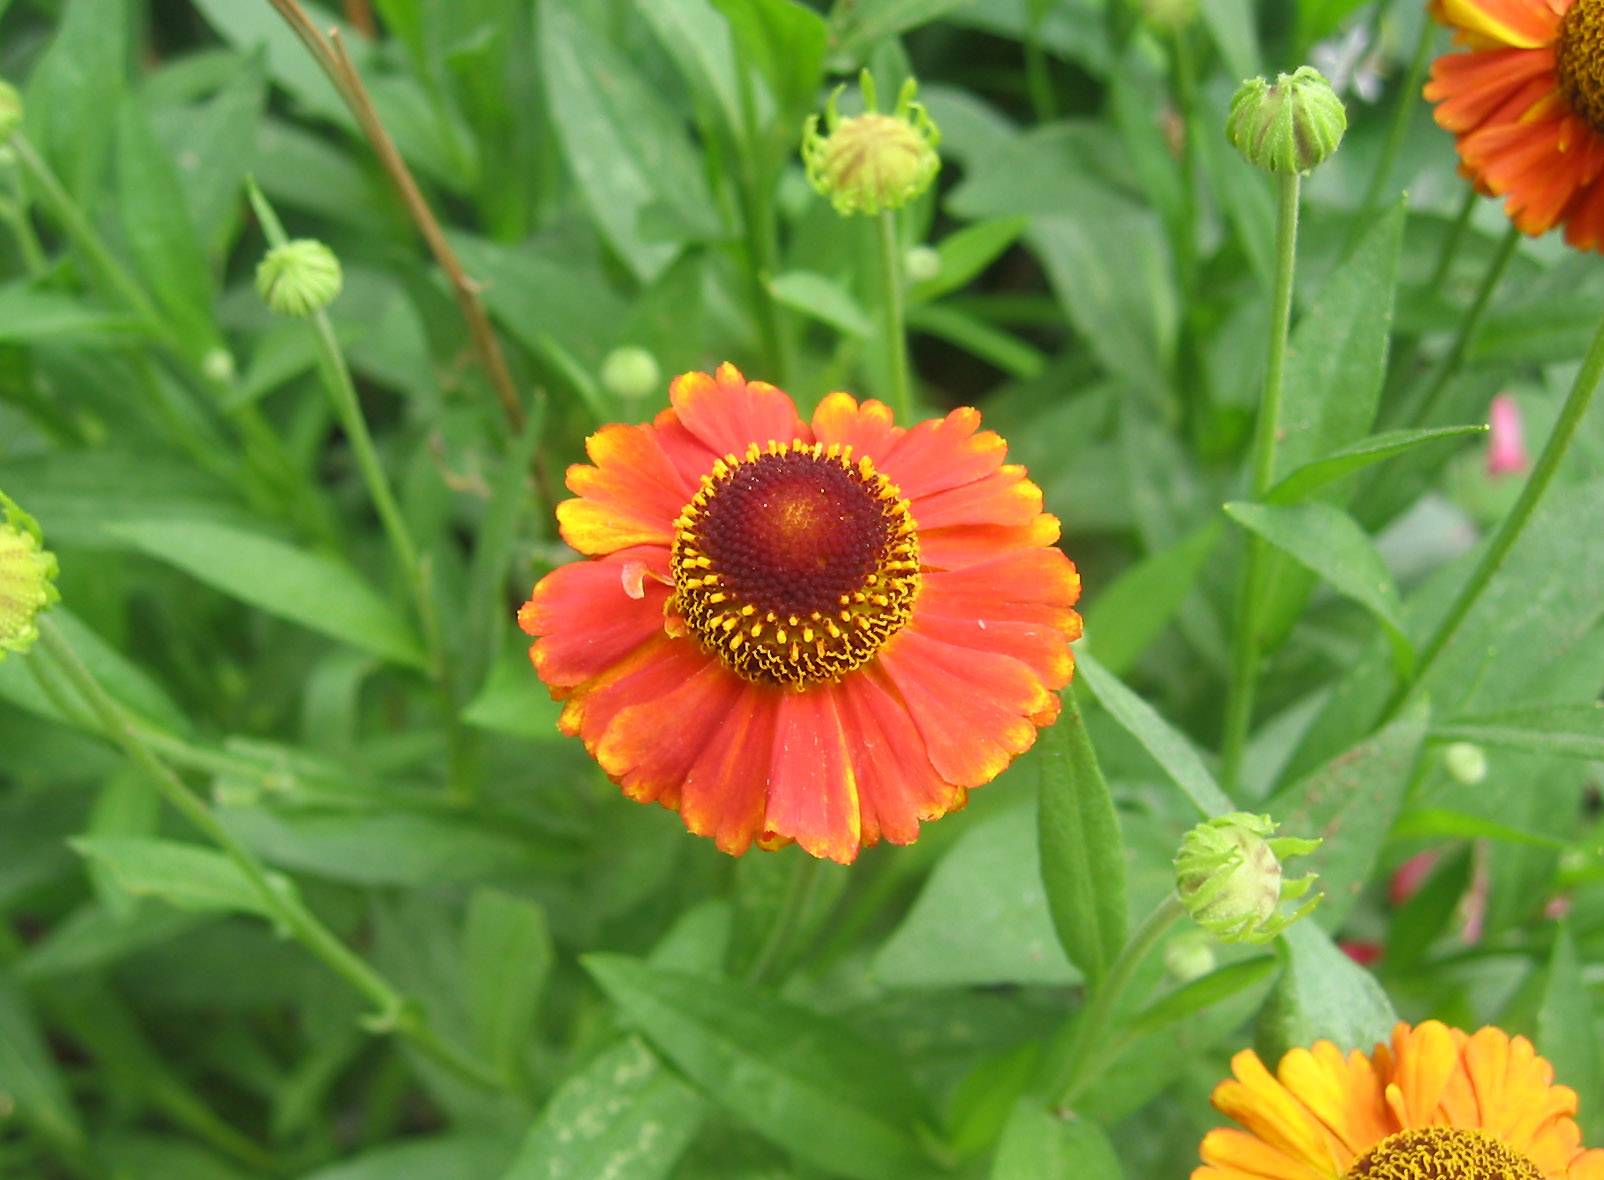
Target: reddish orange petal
[
  {"x": 589, "y": 615},
  {"x": 1495, "y": 84},
  {"x": 867, "y": 428},
  {"x": 943, "y": 453},
  {"x": 728, "y": 413},
  {"x": 968, "y": 544},
  {"x": 726, "y": 789},
  {"x": 813, "y": 792},
  {"x": 648, "y": 749},
  {"x": 652, "y": 671},
  {"x": 630, "y": 497},
  {"x": 1005, "y": 497},
  {"x": 1521, "y": 24},
  {"x": 897, "y": 786},
  {"x": 973, "y": 708},
  {"x": 1584, "y": 220}
]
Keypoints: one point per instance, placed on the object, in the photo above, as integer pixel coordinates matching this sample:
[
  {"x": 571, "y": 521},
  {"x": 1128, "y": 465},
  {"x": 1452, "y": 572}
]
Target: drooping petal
[
  {"x": 1520, "y": 24},
  {"x": 587, "y": 616},
  {"x": 813, "y": 790},
  {"x": 897, "y": 785},
  {"x": 648, "y": 749},
  {"x": 726, "y": 789}
]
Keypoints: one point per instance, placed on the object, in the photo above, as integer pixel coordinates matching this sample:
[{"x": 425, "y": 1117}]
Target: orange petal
[
  {"x": 726, "y": 789},
  {"x": 1587, "y": 1166},
  {"x": 973, "y": 708},
  {"x": 1473, "y": 88},
  {"x": 943, "y": 453},
  {"x": 1265, "y": 1107},
  {"x": 1521, "y": 24},
  {"x": 1004, "y": 497},
  {"x": 1424, "y": 1059},
  {"x": 1238, "y": 1156},
  {"x": 867, "y": 428},
  {"x": 961, "y": 545},
  {"x": 629, "y": 497},
  {"x": 586, "y": 619},
  {"x": 813, "y": 792},
  {"x": 652, "y": 671},
  {"x": 897, "y": 786},
  {"x": 648, "y": 749},
  {"x": 728, "y": 413}
]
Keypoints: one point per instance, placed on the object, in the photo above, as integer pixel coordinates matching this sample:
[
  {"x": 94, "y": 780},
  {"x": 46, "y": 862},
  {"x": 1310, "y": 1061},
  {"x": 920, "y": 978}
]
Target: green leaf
[
  {"x": 75, "y": 89},
  {"x": 508, "y": 954},
  {"x": 457, "y": 1156},
  {"x": 1441, "y": 823},
  {"x": 822, "y": 299},
  {"x": 966, "y": 253},
  {"x": 1135, "y": 608},
  {"x": 1204, "y": 992},
  {"x": 872, "y": 21},
  {"x": 786, "y": 40},
  {"x": 220, "y": 139},
  {"x": 160, "y": 234},
  {"x": 1351, "y": 803},
  {"x": 28, "y": 1073},
  {"x": 1231, "y": 24},
  {"x": 306, "y": 588},
  {"x": 1567, "y": 1033},
  {"x": 982, "y": 918},
  {"x": 93, "y": 936},
  {"x": 1322, "y": 995},
  {"x": 1039, "y": 1145},
  {"x": 623, "y": 1117},
  {"x": 625, "y": 149},
  {"x": 700, "y": 43},
  {"x": 514, "y": 701},
  {"x": 979, "y": 338},
  {"x": 1168, "y": 746},
  {"x": 28, "y": 317},
  {"x": 1327, "y": 541},
  {"x": 1311, "y": 477},
  {"x": 803, "y": 1080},
  {"x": 1566, "y": 731},
  {"x": 1082, "y": 855},
  {"x": 184, "y": 875},
  {"x": 1337, "y": 355}
]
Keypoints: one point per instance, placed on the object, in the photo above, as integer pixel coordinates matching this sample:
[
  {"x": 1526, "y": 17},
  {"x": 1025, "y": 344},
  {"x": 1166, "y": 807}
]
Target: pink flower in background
[
  {"x": 1506, "y": 442},
  {"x": 1410, "y": 876}
]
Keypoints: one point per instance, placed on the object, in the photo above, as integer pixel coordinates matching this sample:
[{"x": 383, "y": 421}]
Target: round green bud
[
  {"x": 1228, "y": 876},
  {"x": 218, "y": 365},
  {"x": 871, "y": 161},
  {"x": 631, "y": 373},
  {"x": 1466, "y": 762},
  {"x": 299, "y": 278},
  {"x": 1289, "y": 126},
  {"x": 922, "y": 263},
  {"x": 1169, "y": 16},
  {"x": 10, "y": 110},
  {"x": 1189, "y": 955},
  {"x": 27, "y": 578}
]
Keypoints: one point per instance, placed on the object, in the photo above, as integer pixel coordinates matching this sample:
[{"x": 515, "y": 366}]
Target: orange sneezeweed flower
[
  {"x": 819, "y": 631},
  {"x": 1436, "y": 1102},
  {"x": 1526, "y": 106}
]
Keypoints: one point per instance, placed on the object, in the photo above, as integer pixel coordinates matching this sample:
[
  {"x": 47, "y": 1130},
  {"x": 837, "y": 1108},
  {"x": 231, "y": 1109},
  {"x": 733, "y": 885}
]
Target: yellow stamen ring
[{"x": 795, "y": 562}]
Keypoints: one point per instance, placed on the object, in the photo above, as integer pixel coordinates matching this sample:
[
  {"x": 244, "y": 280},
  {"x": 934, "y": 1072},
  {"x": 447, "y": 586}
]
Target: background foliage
[{"x": 622, "y": 173}]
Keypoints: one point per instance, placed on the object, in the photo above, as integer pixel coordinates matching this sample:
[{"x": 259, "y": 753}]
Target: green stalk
[
  {"x": 1250, "y": 589},
  {"x": 1418, "y": 409},
  {"x": 1456, "y": 237},
  {"x": 1093, "y": 1025},
  {"x": 896, "y": 339},
  {"x": 280, "y": 902},
  {"x": 1509, "y": 531}
]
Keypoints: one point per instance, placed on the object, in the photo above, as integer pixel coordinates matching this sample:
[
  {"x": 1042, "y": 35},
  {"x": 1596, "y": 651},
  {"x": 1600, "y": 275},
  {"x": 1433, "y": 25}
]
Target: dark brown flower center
[
  {"x": 1580, "y": 57},
  {"x": 1442, "y": 1153},
  {"x": 796, "y": 563}
]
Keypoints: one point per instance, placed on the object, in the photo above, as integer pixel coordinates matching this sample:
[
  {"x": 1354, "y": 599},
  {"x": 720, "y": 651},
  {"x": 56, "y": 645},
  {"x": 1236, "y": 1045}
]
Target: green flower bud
[
  {"x": 1189, "y": 955},
  {"x": 921, "y": 264},
  {"x": 1291, "y": 126},
  {"x": 218, "y": 365},
  {"x": 631, "y": 373},
  {"x": 872, "y": 161},
  {"x": 27, "y": 578},
  {"x": 1228, "y": 875},
  {"x": 1466, "y": 762},
  {"x": 299, "y": 278},
  {"x": 10, "y": 110}
]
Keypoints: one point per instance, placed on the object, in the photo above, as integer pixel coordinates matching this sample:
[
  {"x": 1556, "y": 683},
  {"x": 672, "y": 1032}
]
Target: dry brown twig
[{"x": 330, "y": 52}]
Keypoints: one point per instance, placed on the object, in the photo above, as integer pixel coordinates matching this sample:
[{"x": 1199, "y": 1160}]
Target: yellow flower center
[
  {"x": 796, "y": 563},
  {"x": 1442, "y": 1153},
  {"x": 1580, "y": 55}
]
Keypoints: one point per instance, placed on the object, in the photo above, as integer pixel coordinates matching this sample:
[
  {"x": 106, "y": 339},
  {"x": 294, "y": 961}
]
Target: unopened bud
[
  {"x": 1290, "y": 126},
  {"x": 872, "y": 161},
  {"x": 299, "y": 278},
  {"x": 1189, "y": 955},
  {"x": 1228, "y": 875},
  {"x": 631, "y": 373},
  {"x": 27, "y": 578},
  {"x": 1466, "y": 762},
  {"x": 922, "y": 263},
  {"x": 218, "y": 365}
]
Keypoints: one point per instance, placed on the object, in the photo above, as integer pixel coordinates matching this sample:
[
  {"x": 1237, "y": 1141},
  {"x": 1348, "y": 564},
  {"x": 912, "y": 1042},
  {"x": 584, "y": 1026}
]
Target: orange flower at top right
[{"x": 1526, "y": 106}]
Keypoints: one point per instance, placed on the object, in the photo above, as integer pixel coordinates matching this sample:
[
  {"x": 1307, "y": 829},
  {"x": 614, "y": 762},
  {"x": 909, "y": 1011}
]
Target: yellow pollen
[
  {"x": 815, "y": 556},
  {"x": 1579, "y": 59},
  {"x": 1442, "y": 1153}
]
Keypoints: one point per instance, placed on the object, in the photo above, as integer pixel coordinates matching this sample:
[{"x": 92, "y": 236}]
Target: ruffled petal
[
  {"x": 974, "y": 709},
  {"x": 648, "y": 749},
  {"x": 866, "y": 427},
  {"x": 897, "y": 786},
  {"x": 1488, "y": 85},
  {"x": 726, "y": 789},
  {"x": 961, "y": 545},
  {"x": 813, "y": 790},
  {"x": 942, "y": 453},
  {"x": 1005, "y": 497},
  {"x": 728, "y": 413},
  {"x": 589, "y": 615},
  {"x": 1425, "y": 1057},
  {"x": 629, "y": 497}
]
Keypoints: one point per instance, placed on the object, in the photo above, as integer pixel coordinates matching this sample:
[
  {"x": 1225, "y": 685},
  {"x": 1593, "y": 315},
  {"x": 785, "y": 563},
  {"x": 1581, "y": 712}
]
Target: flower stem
[
  {"x": 896, "y": 340},
  {"x": 1245, "y": 649},
  {"x": 1456, "y": 237},
  {"x": 1509, "y": 531},
  {"x": 1417, "y": 410},
  {"x": 1093, "y": 1025},
  {"x": 279, "y": 900}
]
